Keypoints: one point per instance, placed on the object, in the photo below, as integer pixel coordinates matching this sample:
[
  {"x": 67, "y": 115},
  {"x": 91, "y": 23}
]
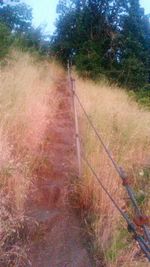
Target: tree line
[{"x": 105, "y": 38}]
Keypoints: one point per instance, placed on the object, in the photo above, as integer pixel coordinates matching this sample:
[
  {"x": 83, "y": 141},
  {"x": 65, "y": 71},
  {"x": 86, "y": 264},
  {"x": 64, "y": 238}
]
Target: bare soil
[{"x": 57, "y": 241}]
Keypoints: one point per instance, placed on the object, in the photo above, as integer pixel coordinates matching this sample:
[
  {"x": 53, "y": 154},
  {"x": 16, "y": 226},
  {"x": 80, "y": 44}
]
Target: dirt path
[{"x": 57, "y": 241}]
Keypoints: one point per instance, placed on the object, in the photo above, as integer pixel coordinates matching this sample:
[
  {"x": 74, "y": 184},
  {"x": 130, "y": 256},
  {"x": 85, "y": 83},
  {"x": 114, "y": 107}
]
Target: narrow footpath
[{"x": 58, "y": 241}]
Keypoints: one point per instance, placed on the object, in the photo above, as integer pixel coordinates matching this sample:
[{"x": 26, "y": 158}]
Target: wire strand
[
  {"x": 142, "y": 243},
  {"x": 98, "y": 135},
  {"x": 117, "y": 168},
  {"x": 131, "y": 226}
]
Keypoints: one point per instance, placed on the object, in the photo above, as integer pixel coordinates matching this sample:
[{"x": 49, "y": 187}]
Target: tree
[
  {"x": 16, "y": 21},
  {"x": 87, "y": 31},
  {"x": 135, "y": 47},
  {"x": 17, "y": 16},
  {"x": 107, "y": 37},
  {"x": 81, "y": 27},
  {"x": 33, "y": 40}
]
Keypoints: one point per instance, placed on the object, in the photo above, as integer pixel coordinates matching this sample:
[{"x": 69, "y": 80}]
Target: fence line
[{"x": 140, "y": 220}]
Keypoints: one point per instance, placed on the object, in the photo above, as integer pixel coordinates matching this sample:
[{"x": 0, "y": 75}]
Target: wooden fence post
[{"x": 78, "y": 146}]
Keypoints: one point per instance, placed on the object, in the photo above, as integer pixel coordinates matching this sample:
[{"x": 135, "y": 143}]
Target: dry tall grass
[
  {"x": 125, "y": 129},
  {"x": 27, "y": 105}
]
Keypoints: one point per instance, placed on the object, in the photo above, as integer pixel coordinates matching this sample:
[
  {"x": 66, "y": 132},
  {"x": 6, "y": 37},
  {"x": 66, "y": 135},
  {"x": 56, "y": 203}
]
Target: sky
[{"x": 44, "y": 12}]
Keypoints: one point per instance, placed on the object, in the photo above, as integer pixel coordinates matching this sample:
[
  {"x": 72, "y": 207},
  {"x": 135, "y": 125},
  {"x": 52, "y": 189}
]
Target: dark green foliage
[
  {"x": 107, "y": 37},
  {"x": 143, "y": 96},
  {"x": 135, "y": 47},
  {"x": 5, "y": 40}
]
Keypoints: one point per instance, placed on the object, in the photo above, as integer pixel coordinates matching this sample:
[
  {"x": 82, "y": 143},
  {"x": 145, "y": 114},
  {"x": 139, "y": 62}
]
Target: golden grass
[
  {"x": 125, "y": 129},
  {"x": 27, "y": 106}
]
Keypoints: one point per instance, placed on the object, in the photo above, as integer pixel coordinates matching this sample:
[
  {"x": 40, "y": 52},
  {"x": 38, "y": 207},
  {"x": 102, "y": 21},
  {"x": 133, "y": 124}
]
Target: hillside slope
[
  {"x": 48, "y": 216},
  {"x": 125, "y": 129}
]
